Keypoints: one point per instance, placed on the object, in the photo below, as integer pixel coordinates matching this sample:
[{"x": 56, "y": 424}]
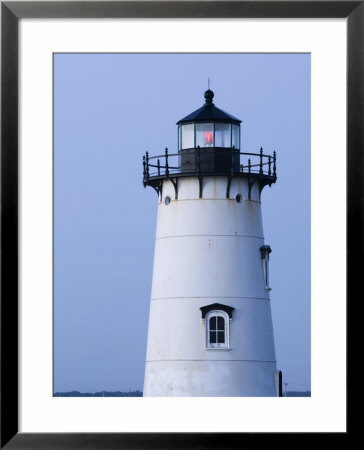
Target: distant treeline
[
  {"x": 99, "y": 394},
  {"x": 298, "y": 394},
  {"x": 140, "y": 394}
]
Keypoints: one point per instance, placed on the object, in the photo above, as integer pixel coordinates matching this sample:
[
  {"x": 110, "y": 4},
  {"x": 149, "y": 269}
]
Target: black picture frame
[{"x": 11, "y": 12}]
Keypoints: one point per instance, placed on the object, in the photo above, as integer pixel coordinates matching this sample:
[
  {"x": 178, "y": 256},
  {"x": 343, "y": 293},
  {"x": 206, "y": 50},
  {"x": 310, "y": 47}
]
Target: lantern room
[
  {"x": 210, "y": 138},
  {"x": 209, "y": 145}
]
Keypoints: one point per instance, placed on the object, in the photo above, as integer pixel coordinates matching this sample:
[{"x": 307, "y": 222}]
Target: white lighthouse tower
[{"x": 210, "y": 325}]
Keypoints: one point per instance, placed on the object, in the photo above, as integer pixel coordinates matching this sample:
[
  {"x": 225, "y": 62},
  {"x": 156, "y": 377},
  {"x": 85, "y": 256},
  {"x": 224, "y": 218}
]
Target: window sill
[{"x": 219, "y": 349}]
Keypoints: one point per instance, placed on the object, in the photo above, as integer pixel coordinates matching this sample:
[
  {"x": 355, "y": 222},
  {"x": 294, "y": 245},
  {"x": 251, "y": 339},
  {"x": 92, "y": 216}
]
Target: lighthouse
[{"x": 210, "y": 327}]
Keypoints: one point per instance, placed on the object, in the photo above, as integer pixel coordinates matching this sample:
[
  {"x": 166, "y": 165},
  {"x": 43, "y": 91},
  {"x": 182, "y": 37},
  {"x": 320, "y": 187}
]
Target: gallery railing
[{"x": 231, "y": 163}]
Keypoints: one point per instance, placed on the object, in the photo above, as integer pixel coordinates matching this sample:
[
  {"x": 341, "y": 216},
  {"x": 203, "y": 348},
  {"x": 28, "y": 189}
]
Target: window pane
[
  {"x": 188, "y": 136},
  {"x": 222, "y": 135},
  {"x": 205, "y": 135},
  {"x": 212, "y": 337},
  {"x": 213, "y": 323},
  {"x": 179, "y": 137},
  {"x": 220, "y": 323},
  {"x": 235, "y": 136},
  {"x": 221, "y": 337}
]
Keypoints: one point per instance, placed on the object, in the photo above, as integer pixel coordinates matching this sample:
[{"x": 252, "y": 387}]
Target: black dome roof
[{"x": 209, "y": 112}]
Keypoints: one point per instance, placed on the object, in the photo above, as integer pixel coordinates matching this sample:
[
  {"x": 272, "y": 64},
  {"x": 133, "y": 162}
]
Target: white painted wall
[{"x": 207, "y": 251}]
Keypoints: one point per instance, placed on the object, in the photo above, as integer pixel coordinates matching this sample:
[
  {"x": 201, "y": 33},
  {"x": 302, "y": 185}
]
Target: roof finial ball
[{"x": 209, "y": 95}]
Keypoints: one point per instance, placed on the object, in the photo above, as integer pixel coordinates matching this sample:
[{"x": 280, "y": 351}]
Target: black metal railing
[{"x": 241, "y": 164}]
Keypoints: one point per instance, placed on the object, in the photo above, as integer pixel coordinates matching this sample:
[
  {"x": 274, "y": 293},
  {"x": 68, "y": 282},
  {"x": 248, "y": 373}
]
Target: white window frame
[{"x": 217, "y": 346}]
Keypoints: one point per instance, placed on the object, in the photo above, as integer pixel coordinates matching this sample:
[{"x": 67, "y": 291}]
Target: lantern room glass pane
[
  {"x": 188, "y": 136},
  {"x": 222, "y": 135},
  {"x": 235, "y": 136},
  {"x": 205, "y": 135}
]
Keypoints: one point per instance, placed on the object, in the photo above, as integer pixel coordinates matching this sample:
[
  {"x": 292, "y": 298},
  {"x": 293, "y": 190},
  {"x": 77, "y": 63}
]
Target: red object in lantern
[{"x": 208, "y": 137}]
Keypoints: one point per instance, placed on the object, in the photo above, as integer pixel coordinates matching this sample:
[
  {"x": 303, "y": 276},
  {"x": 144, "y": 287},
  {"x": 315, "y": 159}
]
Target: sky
[{"x": 109, "y": 109}]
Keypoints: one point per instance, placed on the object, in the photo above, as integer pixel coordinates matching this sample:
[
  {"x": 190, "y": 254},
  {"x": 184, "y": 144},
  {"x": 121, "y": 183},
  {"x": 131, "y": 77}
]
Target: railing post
[
  {"x": 249, "y": 165},
  {"x": 261, "y": 161},
  {"x": 199, "y": 159},
  {"x": 167, "y": 170},
  {"x": 269, "y": 163},
  {"x": 159, "y": 167},
  {"x": 143, "y": 166},
  {"x": 274, "y": 164},
  {"x": 147, "y": 164}
]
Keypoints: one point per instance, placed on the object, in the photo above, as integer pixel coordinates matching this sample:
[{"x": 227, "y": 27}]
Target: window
[
  {"x": 205, "y": 135},
  {"x": 236, "y": 136},
  {"x": 222, "y": 135},
  {"x": 217, "y": 318},
  {"x": 179, "y": 137},
  {"x": 264, "y": 252},
  {"x": 188, "y": 136},
  {"x": 208, "y": 135},
  {"x": 217, "y": 329}
]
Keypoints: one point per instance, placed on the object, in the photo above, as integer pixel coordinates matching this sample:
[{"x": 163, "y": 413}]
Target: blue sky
[{"x": 108, "y": 110}]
